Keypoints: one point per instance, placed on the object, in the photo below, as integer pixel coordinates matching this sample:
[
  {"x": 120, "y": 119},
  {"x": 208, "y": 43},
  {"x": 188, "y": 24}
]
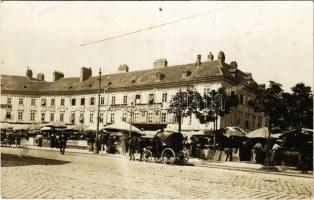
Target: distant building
[{"x": 145, "y": 93}]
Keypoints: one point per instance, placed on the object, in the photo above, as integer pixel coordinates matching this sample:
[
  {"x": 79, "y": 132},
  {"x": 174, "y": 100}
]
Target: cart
[{"x": 166, "y": 147}]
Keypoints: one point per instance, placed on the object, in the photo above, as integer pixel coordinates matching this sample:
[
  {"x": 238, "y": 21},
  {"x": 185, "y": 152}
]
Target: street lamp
[{"x": 98, "y": 111}]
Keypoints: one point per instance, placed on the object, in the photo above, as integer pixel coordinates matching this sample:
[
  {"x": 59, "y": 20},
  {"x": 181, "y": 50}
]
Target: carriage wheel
[
  {"x": 147, "y": 156},
  {"x": 168, "y": 156}
]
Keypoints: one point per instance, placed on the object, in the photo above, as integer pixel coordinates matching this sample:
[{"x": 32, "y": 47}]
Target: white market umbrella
[
  {"x": 122, "y": 126},
  {"x": 46, "y": 128},
  {"x": 6, "y": 125},
  {"x": 234, "y": 131},
  {"x": 56, "y": 125},
  {"x": 77, "y": 127},
  {"x": 92, "y": 128},
  {"x": 262, "y": 133}
]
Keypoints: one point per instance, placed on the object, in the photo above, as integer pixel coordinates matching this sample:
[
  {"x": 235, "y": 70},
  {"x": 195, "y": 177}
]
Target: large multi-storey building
[{"x": 142, "y": 97}]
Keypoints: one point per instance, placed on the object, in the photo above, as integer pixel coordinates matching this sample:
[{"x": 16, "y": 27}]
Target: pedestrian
[
  {"x": 62, "y": 143},
  {"x": 258, "y": 153},
  {"x": 23, "y": 145},
  {"x": 140, "y": 146},
  {"x": 132, "y": 148},
  {"x": 228, "y": 151},
  {"x": 274, "y": 154}
]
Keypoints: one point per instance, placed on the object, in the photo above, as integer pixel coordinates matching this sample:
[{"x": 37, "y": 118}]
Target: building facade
[{"x": 141, "y": 97}]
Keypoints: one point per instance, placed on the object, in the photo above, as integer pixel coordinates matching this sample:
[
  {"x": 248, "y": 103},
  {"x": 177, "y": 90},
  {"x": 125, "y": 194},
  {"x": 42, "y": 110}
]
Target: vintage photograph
[{"x": 156, "y": 100}]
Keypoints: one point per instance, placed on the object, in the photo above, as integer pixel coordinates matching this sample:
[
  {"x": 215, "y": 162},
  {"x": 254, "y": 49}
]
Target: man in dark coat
[
  {"x": 62, "y": 141},
  {"x": 132, "y": 148},
  {"x": 140, "y": 147}
]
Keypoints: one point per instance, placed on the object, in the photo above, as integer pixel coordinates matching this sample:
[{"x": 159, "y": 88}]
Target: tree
[
  {"x": 299, "y": 106},
  {"x": 217, "y": 104},
  {"x": 184, "y": 103},
  {"x": 271, "y": 102}
]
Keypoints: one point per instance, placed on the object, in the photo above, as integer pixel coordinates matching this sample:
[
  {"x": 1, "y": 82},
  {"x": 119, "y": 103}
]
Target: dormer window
[
  {"x": 186, "y": 73},
  {"x": 160, "y": 75}
]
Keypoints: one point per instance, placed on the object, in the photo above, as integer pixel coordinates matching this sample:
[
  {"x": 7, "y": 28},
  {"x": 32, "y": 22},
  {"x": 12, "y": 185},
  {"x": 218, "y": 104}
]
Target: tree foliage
[
  {"x": 271, "y": 102},
  {"x": 215, "y": 104},
  {"x": 285, "y": 109},
  {"x": 184, "y": 103},
  {"x": 299, "y": 106}
]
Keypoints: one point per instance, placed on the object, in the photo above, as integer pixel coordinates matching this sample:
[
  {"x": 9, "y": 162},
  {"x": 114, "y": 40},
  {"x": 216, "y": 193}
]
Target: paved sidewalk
[
  {"x": 87, "y": 176},
  {"x": 239, "y": 166}
]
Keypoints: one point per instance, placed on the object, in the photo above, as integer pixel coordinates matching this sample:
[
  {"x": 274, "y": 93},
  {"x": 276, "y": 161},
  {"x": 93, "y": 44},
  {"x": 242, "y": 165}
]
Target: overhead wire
[{"x": 160, "y": 25}]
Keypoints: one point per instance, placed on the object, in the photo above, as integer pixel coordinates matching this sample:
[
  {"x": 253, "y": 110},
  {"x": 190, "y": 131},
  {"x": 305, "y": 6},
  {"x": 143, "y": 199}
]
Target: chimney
[
  {"x": 57, "y": 75},
  {"x": 248, "y": 76},
  {"x": 221, "y": 57},
  {"x": 85, "y": 73},
  {"x": 123, "y": 68},
  {"x": 233, "y": 72},
  {"x": 198, "y": 60},
  {"x": 233, "y": 65},
  {"x": 40, "y": 77},
  {"x": 29, "y": 73},
  {"x": 262, "y": 86},
  {"x": 210, "y": 57},
  {"x": 160, "y": 63}
]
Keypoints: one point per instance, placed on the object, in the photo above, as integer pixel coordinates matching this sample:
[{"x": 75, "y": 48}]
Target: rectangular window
[
  {"x": 163, "y": 117},
  {"x": 20, "y": 115},
  {"x": 82, "y": 117},
  {"x": 61, "y": 117},
  {"x": 92, "y": 101},
  {"x": 101, "y": 117},
  {"x": 43, "y": 102},
  {"x": 73, "y": 102},
  {"x": 125, "y": 99},
  {"x": 52, "y": 102},
  {"x": 241, "y": 98},
  {"x": 113, "y": 100},
  {"x": 151, "y": 99},
  {"x": 43, "y": 116},
  {"x": 124, "y": 117},
  {"x": 136, "y": 117},
  {"x": 150, "y": 117},
  {"x": 9, "y": 101},
  {"x": 137, "y": 99},
  {"x": 82, "y": 101},
  {"x": 91, "y": 117},
  {"x": 73, "y": 117},
  {"x": 32, "y": 116},
  {"x": 20, "y": 101},
  {"x": 164, "y": 97},
  {"x": 102, "y": 100},
  {"x": 112, "y": 117},
  {"x": 52, "y": 117},
  {"x": 8, "y": 115},
  {"x": 62, "y": 102},
  {"x": 33, "y": 102}
]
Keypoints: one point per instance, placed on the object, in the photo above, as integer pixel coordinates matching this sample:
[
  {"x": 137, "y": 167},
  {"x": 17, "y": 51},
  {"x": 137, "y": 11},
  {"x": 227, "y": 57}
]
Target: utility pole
[{"x": 98, "y": 111}]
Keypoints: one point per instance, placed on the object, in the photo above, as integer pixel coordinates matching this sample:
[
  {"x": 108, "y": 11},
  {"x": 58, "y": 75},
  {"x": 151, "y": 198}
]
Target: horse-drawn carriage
[{"x": 166, "y": 147}]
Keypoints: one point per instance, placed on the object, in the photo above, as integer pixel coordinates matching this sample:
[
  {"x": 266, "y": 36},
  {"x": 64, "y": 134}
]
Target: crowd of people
[{"x": 261, "y": 151}]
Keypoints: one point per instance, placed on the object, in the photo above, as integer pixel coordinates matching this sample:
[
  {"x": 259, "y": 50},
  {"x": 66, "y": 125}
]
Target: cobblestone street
[{"x": 98, "y": 176}]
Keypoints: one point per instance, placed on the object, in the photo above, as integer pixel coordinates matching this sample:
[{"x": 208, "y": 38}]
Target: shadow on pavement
[{"x": 10, "y": 160}]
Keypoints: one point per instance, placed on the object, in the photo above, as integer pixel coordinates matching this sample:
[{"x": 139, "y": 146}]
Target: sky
[{"x": 272, "y": 40}]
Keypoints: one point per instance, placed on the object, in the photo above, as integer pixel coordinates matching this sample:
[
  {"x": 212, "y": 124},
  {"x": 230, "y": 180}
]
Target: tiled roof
[{"x": 124, "y": 80}]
